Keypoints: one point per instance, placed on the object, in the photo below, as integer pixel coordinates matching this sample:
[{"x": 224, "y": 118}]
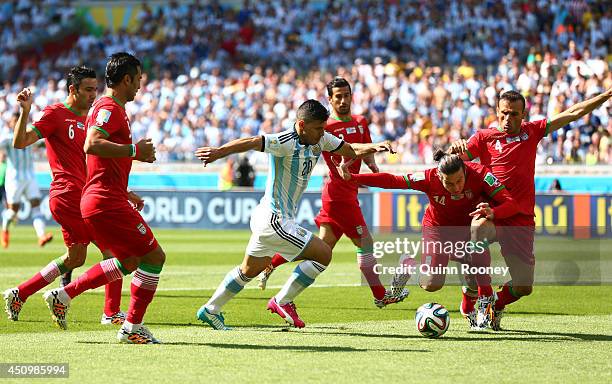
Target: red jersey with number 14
[
  {"x": 107, "y": 178},
  {"x": 354, "y": 130},
  {"x": 511, "y": 158},
  {"x": 64, "y": 133}
]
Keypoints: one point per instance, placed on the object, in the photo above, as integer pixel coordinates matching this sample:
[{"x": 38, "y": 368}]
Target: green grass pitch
[{"x": 558, "y": 334}]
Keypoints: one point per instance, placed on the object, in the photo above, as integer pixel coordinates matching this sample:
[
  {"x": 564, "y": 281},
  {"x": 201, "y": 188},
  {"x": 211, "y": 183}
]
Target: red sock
[
  {"x": 482, "y": 259},
  {"x": 366, "y": 265},
  {"x": 112, "y": 297},
  {"x": 467, "y": 301},
  {"x": 505, "y": 297},
  {"x": 100, "y": 274},
  {"x": 144, "y": 284},
  {"x": 278, "y": 260},
  {"x": 41, "y": 279}
]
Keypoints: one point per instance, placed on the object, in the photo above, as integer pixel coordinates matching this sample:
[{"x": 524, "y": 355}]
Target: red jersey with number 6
[
  {"x": 64, "y": 132},
  {"x": 354, "y": 130},
  {"x": 107, "y": 178},
  {"x": 511, "y": 158}
]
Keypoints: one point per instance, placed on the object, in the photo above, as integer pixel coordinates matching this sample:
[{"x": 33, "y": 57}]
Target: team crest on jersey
[
  {"x": 524, "y": 136},
  {"x": 274, "y": 143},
  {"x": 316, "y": 149},
  {"x": 512, "y": 139},
  {"x": 300, "y": 231},
  {"x": 359, "y": 230},
  {"x": 491, "y": 180},
  {"x": 80, "y": 125},
  {"x": 350, "y": 130},
  {"x": 103, "y": 116},
  {"x": 417, "y": 176},
  {"x": 360, "y": 128},
  {"x": 141, "y": 228},
  {"x": 469, "y": 194}
]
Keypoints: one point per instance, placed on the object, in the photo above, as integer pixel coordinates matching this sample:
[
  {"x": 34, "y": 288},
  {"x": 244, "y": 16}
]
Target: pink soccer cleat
[{"x": 287, "y": 312}]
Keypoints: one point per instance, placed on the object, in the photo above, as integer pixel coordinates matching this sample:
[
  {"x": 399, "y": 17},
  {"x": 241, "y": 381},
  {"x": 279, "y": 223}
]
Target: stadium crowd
[{"x": 424, "y": 72}]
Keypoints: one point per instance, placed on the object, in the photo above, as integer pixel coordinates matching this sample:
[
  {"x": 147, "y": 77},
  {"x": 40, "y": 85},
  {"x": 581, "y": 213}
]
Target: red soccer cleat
[
  {"x": 45, "y": 239},
  {"x": 287, "y": 312}
]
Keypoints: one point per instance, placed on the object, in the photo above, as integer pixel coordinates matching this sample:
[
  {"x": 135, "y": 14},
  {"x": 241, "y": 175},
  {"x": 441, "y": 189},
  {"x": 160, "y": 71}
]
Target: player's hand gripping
[
  {"x": 146, "y": 151},
  {"x": 136, "y": 201},
  {"x": 208, "y": 154},
  {"x": 342, "y": 168},
  {"x": 25, "y": 98},
  {"x": 458, "y": 147},
  {"x": 483, "y": 210}
]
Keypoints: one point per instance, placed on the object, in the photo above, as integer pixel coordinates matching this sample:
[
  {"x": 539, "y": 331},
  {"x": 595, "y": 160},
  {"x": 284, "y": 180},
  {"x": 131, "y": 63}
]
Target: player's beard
[{"x": 344, "y": 110}]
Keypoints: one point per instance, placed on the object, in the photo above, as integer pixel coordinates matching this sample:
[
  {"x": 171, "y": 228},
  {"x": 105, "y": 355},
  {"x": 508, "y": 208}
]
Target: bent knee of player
[
  {"x": 482, "y": 229},
  {"x": 319, "y": 251},
  {"x": 432, "y": 283},
  {"x": 76, "y": 255},
  {"x": 524, "y": 290}
]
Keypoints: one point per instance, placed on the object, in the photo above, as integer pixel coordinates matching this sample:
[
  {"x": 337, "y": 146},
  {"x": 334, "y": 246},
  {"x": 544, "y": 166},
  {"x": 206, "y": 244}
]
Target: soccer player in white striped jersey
[
  {"x": 21, "y": 181},
  {"x": 293, "y": 154}
]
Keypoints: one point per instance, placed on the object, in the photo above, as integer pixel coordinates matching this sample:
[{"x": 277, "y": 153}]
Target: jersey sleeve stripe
[
  {"x": 103, "y": 131},
  {"x": 547, "y": 131},
  {"x": 497, "y": 190},
  {"x": 40, "y": 136},
  {"x": 407, "y": 180},
  {"x": 470, "y": 156},
  {"x": 339, "y": 146}
]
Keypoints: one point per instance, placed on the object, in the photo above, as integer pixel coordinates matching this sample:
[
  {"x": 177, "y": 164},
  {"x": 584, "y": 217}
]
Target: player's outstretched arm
[
  {"x": 354, "y": 150},
  {"x": 210, "y": 154},
  {"x": 380, "y": 180},
  {"x": 576, "y": 111},
  {"x": 97, "y": 144},
  {"x": 22, "y": 137}
]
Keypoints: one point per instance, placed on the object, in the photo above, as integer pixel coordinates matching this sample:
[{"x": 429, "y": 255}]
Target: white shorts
[
  {"x": 273, "y": 234},
  {"x": 15, "y": 189}
]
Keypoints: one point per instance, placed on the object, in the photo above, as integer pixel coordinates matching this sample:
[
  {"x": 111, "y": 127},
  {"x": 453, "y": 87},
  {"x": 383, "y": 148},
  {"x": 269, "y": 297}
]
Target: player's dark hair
[
  {"x": 77, "y": 74},
  {"x": 337, "y": 82},
  {"x": 447, "y": 163},
  {"x": 119, "y": 65},
  {"x": 312, "y": 110},
  {"x": 511, "y": 96}
]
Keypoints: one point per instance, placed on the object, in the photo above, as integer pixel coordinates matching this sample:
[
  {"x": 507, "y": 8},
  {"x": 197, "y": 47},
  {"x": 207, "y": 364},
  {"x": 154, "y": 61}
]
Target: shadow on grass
[
  {"x": 294, "y": 348},
  {"x": 554, "y": 337},
  {"x": 580, "y": 336}
]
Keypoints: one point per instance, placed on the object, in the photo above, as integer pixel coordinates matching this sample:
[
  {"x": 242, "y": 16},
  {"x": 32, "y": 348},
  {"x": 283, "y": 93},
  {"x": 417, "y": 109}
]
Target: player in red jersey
[
  {"x": 105, "y": 208},
  {"x": 62, "y": 125},
  {"x": 510, "y": 152},
  {"x": 340, "y": 213},
  {"x": 455, "y": 190}
]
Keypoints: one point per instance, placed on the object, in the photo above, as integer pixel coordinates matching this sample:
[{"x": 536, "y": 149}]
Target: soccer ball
[{"x": 432, "y": 320}]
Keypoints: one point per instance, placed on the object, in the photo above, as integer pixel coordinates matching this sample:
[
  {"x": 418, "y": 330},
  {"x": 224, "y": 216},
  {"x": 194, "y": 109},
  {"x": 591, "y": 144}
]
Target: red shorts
[
  {"x": 515, "y": 235},
  {"x": 441, "y": 244},
  {"x": 65, "y": 210},
  {"x": 344, "y": 217},
  {"x": 124, "y": 232}
]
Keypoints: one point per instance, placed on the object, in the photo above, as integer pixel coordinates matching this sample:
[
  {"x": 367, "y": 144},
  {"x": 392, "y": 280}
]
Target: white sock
[
  {"x": 38, "y": 221},
  {"x": 7, "y": 217},
  {"x": 302, "y": 277},
  {"x": 231, "y": 285}
]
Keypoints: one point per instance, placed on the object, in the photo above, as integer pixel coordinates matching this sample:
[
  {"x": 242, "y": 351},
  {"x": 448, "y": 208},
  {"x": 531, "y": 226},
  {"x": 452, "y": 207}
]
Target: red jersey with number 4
[
  {"x": 511, "y": 158},
  {"x": 107, "y": 178},
  {"x": 353, "y": 131},
  {"x": 64, "y": 133}
]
